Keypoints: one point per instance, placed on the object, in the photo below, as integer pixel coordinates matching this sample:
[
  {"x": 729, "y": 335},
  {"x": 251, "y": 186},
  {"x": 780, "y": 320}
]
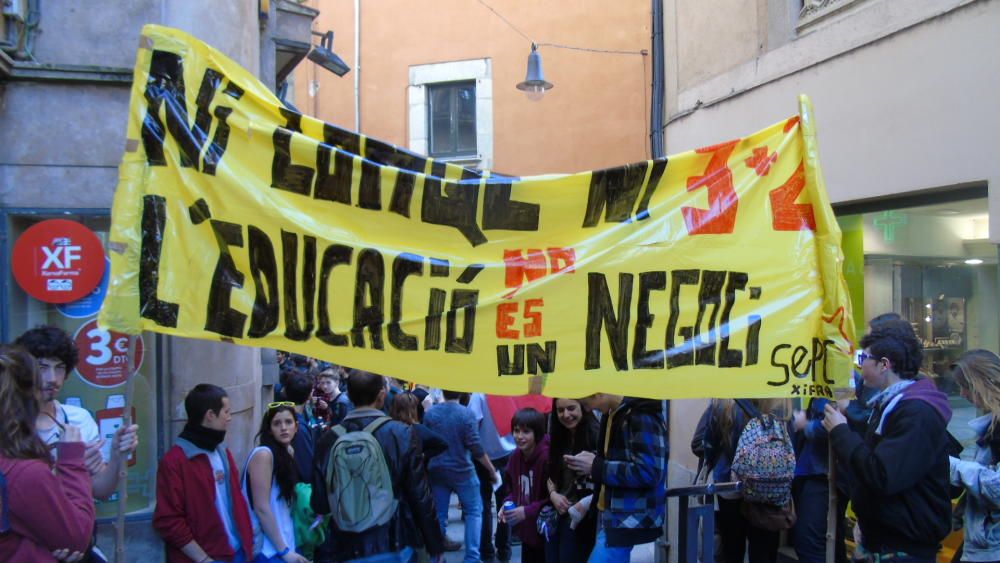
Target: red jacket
[
  {"x": 47, "y": 511},
  {"x": 185, "y": 504}
]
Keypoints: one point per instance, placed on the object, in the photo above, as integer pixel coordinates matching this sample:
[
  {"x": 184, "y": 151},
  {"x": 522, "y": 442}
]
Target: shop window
[
  {"x": 935, "y": 266},
  {"x": 97, "y": 383}
]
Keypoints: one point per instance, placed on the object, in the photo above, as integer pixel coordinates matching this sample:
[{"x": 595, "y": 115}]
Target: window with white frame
[
  {"x": 451, "y": 116},
  {"x": 451, "y": 111}
]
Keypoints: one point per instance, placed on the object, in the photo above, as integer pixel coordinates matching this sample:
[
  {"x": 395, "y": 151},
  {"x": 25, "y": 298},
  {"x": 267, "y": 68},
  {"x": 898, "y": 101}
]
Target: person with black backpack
[{"x": 369, "y": 476}]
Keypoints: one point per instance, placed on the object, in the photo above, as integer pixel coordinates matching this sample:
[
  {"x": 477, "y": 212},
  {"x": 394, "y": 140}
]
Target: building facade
[
  {"x": 65, "y": 77},
  {"x": 905, "y": 110},
  {"x": 441, "y": 80}
]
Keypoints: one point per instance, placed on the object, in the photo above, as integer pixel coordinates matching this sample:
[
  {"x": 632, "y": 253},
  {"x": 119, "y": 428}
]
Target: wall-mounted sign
[
  {"x": 58, "y": 261},
  {"x": 104, "y": 355}
]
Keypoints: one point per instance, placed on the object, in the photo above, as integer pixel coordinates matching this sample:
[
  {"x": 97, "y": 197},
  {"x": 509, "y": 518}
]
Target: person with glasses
[
  {"x": 810, "y": 489},
  {"x": 201, "y": 512},
  {"x": 269, "y": 481},
  {"x": 47, "y": 511},
  {"x": 57, "y": 355},
  {"x": 899, "y": 468}
]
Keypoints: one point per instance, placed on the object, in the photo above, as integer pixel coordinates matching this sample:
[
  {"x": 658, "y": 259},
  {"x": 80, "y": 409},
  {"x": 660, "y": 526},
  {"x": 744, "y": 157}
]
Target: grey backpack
[{"x": 358, "y": 481}]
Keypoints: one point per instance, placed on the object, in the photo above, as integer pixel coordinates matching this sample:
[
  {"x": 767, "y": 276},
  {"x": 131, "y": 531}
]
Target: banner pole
[
  {"x": 123, "y": 469},
  {"x": 831, "y": 511}
]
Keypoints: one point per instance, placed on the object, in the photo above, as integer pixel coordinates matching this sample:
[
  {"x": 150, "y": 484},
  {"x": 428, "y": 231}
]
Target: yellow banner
[{"x": 712, "y": 273}]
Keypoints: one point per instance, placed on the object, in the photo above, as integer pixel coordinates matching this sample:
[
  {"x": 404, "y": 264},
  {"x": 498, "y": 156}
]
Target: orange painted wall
[{"x": 596, "y": 116}]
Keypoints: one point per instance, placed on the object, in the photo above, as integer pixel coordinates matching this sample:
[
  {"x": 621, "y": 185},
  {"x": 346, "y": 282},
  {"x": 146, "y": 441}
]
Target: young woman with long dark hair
[
  {"x": 572, "y": 429},
  {"x": 269, "y": 482},
  {"x": 48, "y": 512}
]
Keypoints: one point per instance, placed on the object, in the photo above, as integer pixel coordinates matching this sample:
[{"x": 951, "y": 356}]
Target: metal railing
[{"x": 695, "y": 518}]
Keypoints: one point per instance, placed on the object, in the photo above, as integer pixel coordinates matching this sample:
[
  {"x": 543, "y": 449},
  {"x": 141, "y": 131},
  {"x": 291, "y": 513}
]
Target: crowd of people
[{"x": 349, "y": 465}]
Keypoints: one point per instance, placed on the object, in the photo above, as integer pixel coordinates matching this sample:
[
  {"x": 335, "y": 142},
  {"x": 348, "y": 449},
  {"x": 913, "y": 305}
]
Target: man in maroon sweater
[{"x": 201, "y": 513}]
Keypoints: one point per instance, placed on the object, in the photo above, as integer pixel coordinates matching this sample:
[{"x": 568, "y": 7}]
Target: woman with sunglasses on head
[
  {"x": 977, "y": 373},
  {"x": 269, "y": 482},
  {"x": 47, "y": 510}
]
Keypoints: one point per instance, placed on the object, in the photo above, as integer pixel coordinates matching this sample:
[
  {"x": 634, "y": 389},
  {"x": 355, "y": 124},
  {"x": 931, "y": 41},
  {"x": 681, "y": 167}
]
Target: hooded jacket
[
  {"x": 900, "y": 470},
  {"x": 44, "y": 510},
  {"x": 528, "y": 476}
]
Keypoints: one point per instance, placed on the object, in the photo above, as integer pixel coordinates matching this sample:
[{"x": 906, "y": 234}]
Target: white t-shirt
[
  {"x": 68, "y": 415},
  {"x": 279, "y": 508},
  {"x": 222, "y": 499}
]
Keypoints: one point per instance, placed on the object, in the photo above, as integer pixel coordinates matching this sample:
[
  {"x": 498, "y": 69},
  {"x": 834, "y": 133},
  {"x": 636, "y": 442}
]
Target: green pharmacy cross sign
[{"x": 888, "y": 222}]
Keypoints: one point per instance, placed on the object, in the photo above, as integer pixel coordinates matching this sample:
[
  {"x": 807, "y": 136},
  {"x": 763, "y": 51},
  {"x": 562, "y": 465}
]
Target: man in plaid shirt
[{"x": 630, "y": 472}]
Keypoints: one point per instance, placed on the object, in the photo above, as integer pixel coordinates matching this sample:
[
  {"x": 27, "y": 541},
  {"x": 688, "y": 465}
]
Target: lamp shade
[
  {"x": 324, "y": 56},
  {"x": 534, "y": 85}
]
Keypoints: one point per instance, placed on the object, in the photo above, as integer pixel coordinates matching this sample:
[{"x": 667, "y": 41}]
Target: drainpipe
[
  {"x": 658, "y": 150},
  {"x": 357, "y": 65},
  {"x": 657, "y": 147}
]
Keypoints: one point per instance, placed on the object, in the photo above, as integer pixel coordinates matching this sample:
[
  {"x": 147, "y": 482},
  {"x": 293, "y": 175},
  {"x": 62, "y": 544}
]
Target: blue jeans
[
  {"x": 443, "y": 483},
  {"x": 901, "y": 558},
  {"x": 812, "y": 497},
  {"x": 240, "y": 558},
  {"x": 406, "y": 555},
  {"x": 570, "y": 546},
  {"x": 603, "y": 553}
]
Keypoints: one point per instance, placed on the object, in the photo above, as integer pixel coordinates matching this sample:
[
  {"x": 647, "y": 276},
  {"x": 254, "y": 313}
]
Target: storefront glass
[
  {"x": 98, "y": 383},
  {"x": 935, "y": 266}
]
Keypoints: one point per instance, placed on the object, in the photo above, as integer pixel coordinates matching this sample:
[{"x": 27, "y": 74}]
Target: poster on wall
[
  {"x": 104, "y": 355},
  {"x": 97, "y": 384}
]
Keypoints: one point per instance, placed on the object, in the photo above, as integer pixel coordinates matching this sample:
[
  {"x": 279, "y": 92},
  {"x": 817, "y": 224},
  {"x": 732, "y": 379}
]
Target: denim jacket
[{"x": 981, "y": 480}]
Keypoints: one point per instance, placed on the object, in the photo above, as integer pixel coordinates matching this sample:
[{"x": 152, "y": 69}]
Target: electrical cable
[{"x": 560, "y": 45}]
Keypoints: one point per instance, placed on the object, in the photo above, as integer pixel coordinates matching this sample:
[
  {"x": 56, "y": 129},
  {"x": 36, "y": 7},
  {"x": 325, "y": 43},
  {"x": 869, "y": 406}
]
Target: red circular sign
[
  {"x": 58, "y": 261},
  {"x": 104, "y": 355}
]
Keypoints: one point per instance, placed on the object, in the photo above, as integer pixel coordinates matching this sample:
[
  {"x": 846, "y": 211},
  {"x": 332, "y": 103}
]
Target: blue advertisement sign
[{"x": 90, "y": 304}]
